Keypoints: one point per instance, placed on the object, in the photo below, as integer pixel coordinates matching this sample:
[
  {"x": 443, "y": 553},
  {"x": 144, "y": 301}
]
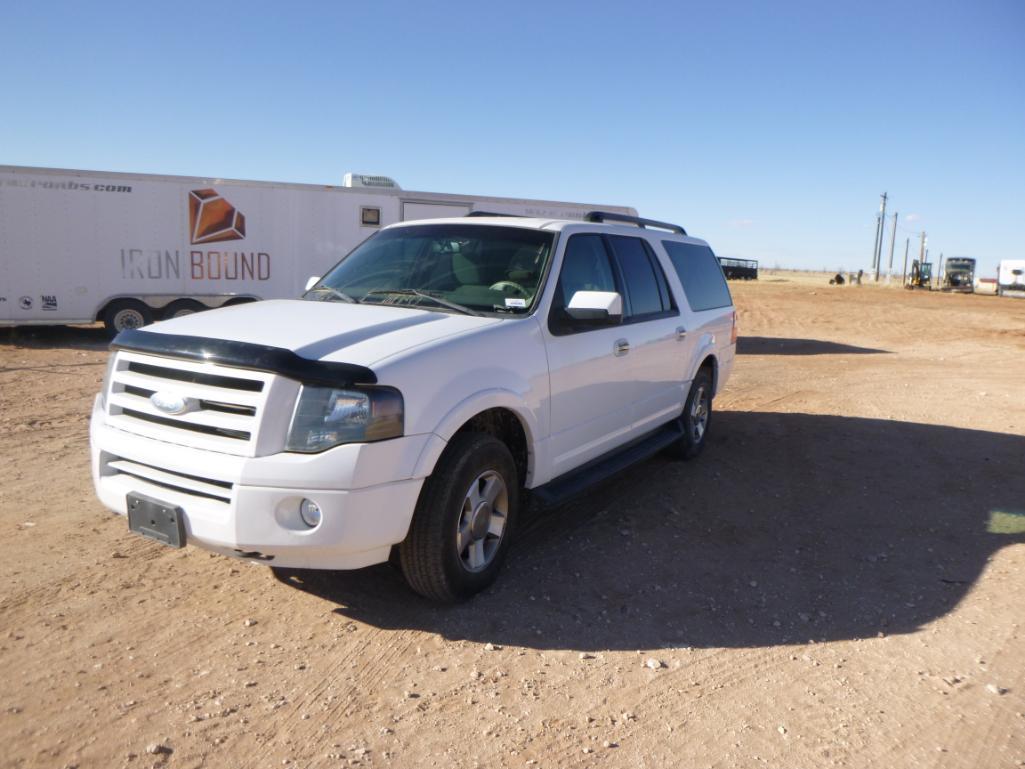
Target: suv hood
[{"x": 331, "y": 331}]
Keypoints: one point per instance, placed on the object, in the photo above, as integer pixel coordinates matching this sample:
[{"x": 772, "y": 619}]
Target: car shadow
[
  {"x": 92, "y": 337},
  {"x": 764, "y": 345},
  {"x": 789, "y": 527}
]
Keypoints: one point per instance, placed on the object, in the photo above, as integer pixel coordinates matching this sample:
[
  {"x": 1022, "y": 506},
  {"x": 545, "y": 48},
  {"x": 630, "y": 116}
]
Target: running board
[{"x": 575, "y": 482}]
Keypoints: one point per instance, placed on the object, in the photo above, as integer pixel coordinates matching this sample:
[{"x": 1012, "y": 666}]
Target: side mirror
[
  {"x": 597, "y": 307},
  {"x": 311, "y": 282}
]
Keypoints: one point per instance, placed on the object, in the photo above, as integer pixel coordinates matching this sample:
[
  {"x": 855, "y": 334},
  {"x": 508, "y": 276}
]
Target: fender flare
[
  {"x": 465, "y": 410},
  {"x": 706, "y": 350}
]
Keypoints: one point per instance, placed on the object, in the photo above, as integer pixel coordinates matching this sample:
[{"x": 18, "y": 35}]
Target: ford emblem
[{"x": 172, "y": 403}]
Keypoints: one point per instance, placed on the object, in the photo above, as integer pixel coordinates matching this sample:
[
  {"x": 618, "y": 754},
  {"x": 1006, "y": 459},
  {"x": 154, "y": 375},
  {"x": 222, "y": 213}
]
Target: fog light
[{"x": 309, "y": 511}]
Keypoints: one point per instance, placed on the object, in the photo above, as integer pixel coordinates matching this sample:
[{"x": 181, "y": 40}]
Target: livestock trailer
[{"x": 739, "y": 269}]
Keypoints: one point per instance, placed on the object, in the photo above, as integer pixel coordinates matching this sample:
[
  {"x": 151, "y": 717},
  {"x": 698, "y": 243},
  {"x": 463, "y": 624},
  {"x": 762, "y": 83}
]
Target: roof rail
[
  {"x": 492, "y": 213},
  {"x": 611, "y": 216}
]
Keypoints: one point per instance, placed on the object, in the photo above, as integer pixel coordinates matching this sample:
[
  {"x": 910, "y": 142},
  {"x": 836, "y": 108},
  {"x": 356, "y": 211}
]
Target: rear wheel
[
  {"x": 182, "y": 307},
  {"x": 125, "y": 314},
  {"x": 697, "y": 417},
  {"x": 463, "y": 521}
]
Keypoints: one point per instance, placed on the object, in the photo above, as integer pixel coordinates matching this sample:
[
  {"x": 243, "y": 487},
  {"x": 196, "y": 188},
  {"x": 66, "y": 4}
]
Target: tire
[
  {"x": 182, "y": 307},
  {"x": 125, "y": 314},
  {"x": 697, "y": 417},
  {"x": 439, "y": 561}
]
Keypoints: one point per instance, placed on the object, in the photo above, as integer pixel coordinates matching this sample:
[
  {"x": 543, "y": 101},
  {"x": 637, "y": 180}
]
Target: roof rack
[
  {"x": 611, "y": 216},
  {"x": 492, "y": 213}
]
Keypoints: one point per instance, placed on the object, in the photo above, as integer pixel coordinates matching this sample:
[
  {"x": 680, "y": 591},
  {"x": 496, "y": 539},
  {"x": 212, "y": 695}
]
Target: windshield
[{"x": 476, "y": 269}]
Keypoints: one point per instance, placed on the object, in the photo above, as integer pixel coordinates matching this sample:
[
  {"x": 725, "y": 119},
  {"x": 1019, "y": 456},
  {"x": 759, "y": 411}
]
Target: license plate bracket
[{"x": 157, "y": 520}]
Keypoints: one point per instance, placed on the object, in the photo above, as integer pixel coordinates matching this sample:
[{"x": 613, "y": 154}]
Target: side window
[
  {"x": 646, "y": 293},
  {"x": 668, "y": 303},
  {"x": 700, "y": 274},
  {"x": 585, "y": 267}
]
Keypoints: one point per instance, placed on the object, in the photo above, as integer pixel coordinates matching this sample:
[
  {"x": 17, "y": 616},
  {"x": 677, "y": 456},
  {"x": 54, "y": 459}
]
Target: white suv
[{"x": 415, "y": 393}]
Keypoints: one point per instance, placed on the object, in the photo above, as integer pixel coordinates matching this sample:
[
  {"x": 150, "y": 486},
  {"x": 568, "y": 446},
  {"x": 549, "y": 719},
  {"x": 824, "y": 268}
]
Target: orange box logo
[{"x": 213, "y": 219}]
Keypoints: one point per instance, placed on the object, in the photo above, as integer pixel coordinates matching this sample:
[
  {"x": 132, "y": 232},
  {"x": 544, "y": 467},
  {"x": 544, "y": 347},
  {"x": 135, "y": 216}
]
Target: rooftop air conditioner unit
[{"x": 369, "y": 180}]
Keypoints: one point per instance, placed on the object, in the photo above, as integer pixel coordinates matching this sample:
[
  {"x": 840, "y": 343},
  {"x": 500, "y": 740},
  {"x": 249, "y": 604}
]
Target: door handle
[
  {"x": 621, "y": 347},
  {"x": 681, "y": 333}
]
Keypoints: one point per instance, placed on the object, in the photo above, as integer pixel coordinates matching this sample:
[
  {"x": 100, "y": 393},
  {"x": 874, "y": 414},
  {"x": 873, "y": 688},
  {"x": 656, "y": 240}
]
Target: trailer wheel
[
  {"x": 238, "y": 300},
  {"x": 180, "y": 307},
  {"x": 126, "y": 314}
]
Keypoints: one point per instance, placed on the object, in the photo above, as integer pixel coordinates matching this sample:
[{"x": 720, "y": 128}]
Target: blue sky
[{"x": 769, "y": 129}]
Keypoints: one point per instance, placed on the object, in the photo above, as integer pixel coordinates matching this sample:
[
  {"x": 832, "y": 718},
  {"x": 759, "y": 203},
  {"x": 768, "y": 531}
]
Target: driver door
[{"x": 589, "y": 370}]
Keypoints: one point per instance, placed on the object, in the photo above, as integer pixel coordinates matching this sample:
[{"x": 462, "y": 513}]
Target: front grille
[
  {"x": 171, "y": 480},
  {"x": 241, "y": 435},
  {"x": 224, "y": 409},
  {"x": 196, "y": 377},
  {"x": 227, "y": 408}
]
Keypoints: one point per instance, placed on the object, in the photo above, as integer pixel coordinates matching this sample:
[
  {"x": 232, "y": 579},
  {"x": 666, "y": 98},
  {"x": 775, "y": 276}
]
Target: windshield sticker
[{"x": 513, "y": 302}]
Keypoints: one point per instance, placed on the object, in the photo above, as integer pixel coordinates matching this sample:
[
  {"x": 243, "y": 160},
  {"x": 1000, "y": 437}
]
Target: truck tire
[
  {"x": 125, "y": 314},
  {"x": 697, "y": 417},
  {"x": 181, "y": 307},
  {"x": 463, "y": 521}
]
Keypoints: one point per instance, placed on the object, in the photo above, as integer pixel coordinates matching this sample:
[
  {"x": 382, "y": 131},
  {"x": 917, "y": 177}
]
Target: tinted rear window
[
  {"x": 700, "y": 274},
  {"x": 639, "y": 275}
]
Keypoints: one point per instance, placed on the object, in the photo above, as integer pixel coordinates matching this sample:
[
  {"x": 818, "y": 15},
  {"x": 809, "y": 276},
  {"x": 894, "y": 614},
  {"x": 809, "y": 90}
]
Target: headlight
[
  {"x": 111, "y": 361},
  {"x": 326, "y": 417}
]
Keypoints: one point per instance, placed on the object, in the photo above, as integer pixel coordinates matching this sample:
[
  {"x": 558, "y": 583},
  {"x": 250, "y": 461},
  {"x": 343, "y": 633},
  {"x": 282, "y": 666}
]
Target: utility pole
[
  {"x": 904, "y": 277},
  {"x": 875, "y": 244},
  {"x": 893, "y": 242},
  {"x": 879, "y": 240},
  {"x": 921, "y": 251}
]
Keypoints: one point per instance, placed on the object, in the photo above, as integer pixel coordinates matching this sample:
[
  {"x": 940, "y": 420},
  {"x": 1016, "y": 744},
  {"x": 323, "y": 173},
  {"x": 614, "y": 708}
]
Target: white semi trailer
[{"x": 127, "y": 249}]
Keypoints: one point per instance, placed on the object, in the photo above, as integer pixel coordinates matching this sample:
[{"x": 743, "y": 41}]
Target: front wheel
[
  {"x": 463, "y": 521},
  {"x": 697, "y": 417}
]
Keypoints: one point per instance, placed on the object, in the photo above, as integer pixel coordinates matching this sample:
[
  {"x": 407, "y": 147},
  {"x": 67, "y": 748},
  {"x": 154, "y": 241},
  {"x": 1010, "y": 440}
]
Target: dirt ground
[{"x": 838, "y": 581}]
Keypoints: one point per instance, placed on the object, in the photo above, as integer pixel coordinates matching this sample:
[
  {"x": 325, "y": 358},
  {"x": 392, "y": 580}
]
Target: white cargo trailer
[
  {"x": 1011, "y": 276},
  {"x": 82, "y": 246}
]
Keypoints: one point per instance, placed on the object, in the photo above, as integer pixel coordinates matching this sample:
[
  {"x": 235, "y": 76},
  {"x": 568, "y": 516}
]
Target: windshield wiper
[
  {"x": 335, "y": 293},
  {"x": 423, "y": 295}
]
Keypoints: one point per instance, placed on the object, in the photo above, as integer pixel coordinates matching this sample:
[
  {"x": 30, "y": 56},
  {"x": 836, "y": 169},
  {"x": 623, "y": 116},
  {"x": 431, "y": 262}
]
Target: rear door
[{"x": 658, "y": 342}]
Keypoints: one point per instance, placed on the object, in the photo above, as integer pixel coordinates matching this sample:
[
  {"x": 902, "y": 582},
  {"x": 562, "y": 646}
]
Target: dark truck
[{"x": 959, "y": 274}]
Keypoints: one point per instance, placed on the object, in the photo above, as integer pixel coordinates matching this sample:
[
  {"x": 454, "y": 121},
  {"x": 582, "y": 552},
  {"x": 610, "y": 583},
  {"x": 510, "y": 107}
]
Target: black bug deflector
[{"x": 256, "y": 357}]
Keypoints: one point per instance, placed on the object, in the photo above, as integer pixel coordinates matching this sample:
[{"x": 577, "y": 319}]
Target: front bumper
[{"x": 247, "y": 507}]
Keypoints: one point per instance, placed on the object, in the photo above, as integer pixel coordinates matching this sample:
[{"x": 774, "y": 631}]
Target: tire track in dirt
[{"x": 377, "y": 655}]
